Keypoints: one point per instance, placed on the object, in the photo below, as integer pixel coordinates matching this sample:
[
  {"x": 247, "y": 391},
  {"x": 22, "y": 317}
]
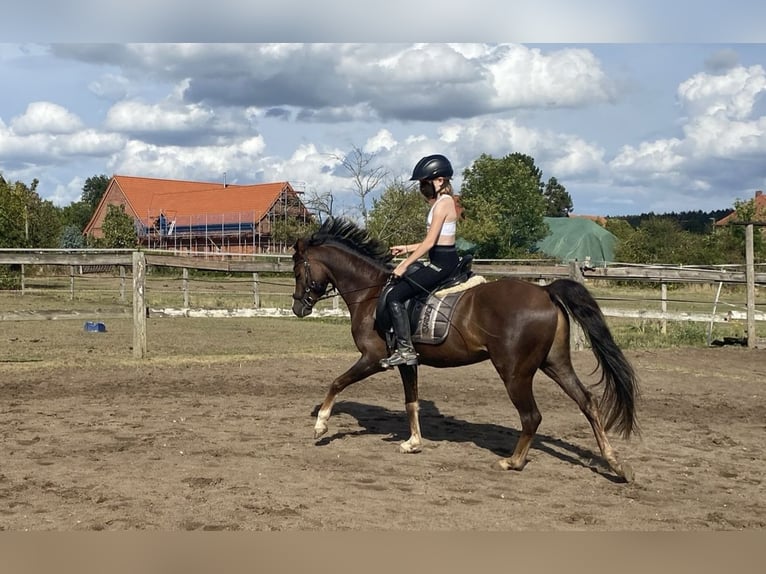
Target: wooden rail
[{"x": 237, "y": 263}]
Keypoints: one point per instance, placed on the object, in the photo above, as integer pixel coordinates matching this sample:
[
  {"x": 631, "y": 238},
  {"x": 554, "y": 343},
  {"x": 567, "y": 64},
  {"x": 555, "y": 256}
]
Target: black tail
[{"x": 618, "y": 403}]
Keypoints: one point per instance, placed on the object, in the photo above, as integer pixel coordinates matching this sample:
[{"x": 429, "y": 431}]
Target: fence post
[
  {"x": 139, "y": 305},
  {"x": 256, "y": 291},
  {"x": 23, "y": 282},
  {"x": 185, "y": 287},
  {"x": 72, "y": 271},
  {"x": 750, "y": 279},
  {"x": 664, "y": 296},
  {"x": 576, "y": 336}
]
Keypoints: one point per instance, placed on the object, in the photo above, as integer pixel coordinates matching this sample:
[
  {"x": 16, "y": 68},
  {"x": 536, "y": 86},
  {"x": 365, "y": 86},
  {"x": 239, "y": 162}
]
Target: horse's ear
[{"x": 299, "y": 246}]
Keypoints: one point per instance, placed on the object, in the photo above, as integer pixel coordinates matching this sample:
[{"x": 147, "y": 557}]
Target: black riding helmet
[{"x": 432, "y": 166}]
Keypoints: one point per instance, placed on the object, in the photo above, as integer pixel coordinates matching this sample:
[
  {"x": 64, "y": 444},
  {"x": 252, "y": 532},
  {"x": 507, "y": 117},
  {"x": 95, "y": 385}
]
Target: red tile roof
[
  {"x": 147, "y": 197},
  {"x": 760, "y": 210},
  {"x": 193, "y": 201}
]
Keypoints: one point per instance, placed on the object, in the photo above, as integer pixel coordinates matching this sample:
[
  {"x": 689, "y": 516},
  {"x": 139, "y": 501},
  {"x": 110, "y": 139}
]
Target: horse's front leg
[
  {"x": 409, "y": 376},
  {"x": 362, "y": 369}
]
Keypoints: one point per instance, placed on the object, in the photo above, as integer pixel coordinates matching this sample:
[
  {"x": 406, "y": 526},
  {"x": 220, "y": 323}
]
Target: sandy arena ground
[{"x": 228, "y": 445}]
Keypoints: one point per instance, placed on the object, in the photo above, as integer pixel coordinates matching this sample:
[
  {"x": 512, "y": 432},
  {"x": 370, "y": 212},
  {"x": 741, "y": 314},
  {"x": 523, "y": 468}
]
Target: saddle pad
[{"x": 434, "y": 319}]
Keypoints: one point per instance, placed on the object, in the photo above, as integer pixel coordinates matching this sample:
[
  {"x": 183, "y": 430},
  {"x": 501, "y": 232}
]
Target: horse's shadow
[{"x": 436, "y": 427}]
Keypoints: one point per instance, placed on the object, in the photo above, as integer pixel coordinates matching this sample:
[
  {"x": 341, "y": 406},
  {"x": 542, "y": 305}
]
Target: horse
[{"x": 519, "y": 326}]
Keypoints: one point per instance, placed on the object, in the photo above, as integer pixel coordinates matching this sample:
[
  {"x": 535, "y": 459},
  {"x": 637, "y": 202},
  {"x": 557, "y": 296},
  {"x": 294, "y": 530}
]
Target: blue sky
[{"x": 633, "y": 107}]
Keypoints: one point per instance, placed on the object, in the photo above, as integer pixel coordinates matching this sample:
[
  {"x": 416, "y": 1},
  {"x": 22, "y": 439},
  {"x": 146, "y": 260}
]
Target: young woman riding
[{"x": 434, "y": 173}]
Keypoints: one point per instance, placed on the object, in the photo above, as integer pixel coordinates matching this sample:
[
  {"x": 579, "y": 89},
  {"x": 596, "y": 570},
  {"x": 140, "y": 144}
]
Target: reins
[{"x": 313, "y": 287}]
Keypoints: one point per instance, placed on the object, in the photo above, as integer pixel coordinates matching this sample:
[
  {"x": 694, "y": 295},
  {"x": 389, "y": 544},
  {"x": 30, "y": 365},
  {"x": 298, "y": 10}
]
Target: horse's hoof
[
  {"x": 406, "y": 448},
  {"x": 627, "y": 472},
  {"x": 506, "y": 464},
  {"x": 318, "y": 432}
]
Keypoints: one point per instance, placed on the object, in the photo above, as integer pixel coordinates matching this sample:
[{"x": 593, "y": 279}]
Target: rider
[{"x": 434, "y": 173}]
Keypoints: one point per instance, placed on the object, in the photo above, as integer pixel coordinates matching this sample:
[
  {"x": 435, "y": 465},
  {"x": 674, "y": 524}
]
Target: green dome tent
[{"x": 578, "y": 238}]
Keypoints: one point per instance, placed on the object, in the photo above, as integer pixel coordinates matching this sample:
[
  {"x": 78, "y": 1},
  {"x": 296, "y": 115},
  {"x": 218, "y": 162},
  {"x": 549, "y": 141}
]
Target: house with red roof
[
  {"x": 759, "y": 205},
  {"x": 201, "y": 216}
]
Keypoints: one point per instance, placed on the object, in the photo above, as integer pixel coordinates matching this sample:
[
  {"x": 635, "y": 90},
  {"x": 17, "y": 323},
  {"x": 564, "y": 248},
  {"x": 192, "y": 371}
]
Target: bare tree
[
  {"x": 320, "y": 203},
  {"x": 365, "y": 174}
]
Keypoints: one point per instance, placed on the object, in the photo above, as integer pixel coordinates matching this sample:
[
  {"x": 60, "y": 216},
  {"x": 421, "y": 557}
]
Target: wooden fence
[{"x": 139, "y": 261}]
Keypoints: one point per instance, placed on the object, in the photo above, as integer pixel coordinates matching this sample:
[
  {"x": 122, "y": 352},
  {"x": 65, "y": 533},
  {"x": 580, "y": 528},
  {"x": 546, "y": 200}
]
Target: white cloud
[
  {"x": 651, "y": 158},
  {"x": 52, "y": 148},
  {"x": 197, "y": 110},
  {"x": 132, "y": 116},
  {"x": 719, "y": 126},
  {"x": 718, "y": 137},
  {"x": 198, "y": 162},
  {"x": 527, "y": 77},
  {"x": 383, "y": 140},
  {"x": 46, "y": 117},
  {"x": 732, "y": 94},
  {"x": 111, "y": 86},
  {"x": 350, "y": 82}
]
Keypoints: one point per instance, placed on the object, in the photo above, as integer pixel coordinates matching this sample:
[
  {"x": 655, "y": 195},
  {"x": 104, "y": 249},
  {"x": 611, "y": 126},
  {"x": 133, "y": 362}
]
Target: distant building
[
  {"x": 202, "y": 216},
  {"x": 760, "y": 210}
]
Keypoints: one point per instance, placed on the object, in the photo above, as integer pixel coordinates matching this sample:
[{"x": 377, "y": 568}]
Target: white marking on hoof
[
  {"x": 320, "y": 428},
  {"x": 507, "y": 464},
  {"x": 410, "y": 447}
]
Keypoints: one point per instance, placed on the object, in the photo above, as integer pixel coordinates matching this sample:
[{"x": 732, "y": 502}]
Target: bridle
[
  {"x": 311, "y": 288},
  {"x": 314, "y": 291}
]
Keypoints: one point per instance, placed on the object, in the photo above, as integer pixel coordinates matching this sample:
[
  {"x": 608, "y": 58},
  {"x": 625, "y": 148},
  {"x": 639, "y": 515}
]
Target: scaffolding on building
[{"x": 230, "y": 232}]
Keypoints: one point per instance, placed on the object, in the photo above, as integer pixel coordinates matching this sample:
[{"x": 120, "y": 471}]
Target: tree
[
  {"x": 320, "y": 203},
  {"x": 119, "y": 228},
  {"x": 365, "y": 175},
  {"x": 620, "y": 228},
  {"x": 26, "y": 220},
  {"x": 71, "y": 238},
  {"x": 503, "y": 206},
  {"x": 76, "y": 214},
  {"x": 288, "y": 231},
  {"x": 12, "y": 216},
  {"x": 656, "y": 240},
  {"x": 559, "y": 202},
  {"x": 667, "y": 239},
  {"x": 731, "y": 239},
  {"x": 662, "y": 240},
  {"x": 399, "y": 215},
  {"x": 93, "y": 190}
]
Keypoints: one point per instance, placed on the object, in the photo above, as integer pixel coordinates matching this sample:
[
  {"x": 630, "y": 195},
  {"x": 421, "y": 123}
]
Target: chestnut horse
[{"x": 519, "y": 326}]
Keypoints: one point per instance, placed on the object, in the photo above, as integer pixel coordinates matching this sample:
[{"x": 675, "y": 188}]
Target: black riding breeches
[{"x": 443, "y": 259}]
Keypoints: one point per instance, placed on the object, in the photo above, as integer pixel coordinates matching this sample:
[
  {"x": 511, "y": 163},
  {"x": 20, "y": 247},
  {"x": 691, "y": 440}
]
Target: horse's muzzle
[{"x": 300, "y": 309}]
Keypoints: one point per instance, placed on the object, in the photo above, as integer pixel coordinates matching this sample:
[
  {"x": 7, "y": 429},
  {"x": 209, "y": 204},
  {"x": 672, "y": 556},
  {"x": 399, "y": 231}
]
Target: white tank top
[{"x": 449, "y": 228}]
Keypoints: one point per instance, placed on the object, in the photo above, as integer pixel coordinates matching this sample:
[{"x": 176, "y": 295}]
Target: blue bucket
[{"x": 93, "y": 327}]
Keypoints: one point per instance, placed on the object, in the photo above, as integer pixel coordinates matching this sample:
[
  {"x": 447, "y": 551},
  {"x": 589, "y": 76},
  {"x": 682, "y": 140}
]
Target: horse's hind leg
[
  {"x": 519, "y": 387},
  {"x": 558, "y": 366},
  {"x": 362, "y": 369}
]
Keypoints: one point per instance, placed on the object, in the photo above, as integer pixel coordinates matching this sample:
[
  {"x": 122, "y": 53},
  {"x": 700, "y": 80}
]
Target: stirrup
[{"x": 398, "y": 358}]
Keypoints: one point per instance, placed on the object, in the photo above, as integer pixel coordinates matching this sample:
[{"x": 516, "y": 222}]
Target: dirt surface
[{"x": 228, "y": 446}]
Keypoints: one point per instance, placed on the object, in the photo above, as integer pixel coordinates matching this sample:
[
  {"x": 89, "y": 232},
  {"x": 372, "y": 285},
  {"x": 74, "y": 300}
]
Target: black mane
[{"x": 346, "y": 233}]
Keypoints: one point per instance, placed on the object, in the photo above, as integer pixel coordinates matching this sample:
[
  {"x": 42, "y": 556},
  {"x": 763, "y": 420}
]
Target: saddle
[{"x": 429, "y": 313}]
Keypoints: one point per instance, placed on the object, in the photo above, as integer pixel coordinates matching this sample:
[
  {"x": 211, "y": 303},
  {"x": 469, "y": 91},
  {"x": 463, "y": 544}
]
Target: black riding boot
[{"x": 405, "y": 353}]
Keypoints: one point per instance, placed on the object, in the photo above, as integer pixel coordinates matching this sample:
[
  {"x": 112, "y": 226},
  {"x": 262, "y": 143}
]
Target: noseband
[{"x": 311, "y": 288}]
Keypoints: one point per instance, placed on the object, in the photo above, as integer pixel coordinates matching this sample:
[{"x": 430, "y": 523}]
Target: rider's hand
[
  {"x": 399, "y": 249},
  {"x": 400, "y": 269}
]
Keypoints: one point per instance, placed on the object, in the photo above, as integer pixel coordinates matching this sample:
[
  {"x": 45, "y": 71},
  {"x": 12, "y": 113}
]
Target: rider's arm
[{"x": 439, "y": 217}]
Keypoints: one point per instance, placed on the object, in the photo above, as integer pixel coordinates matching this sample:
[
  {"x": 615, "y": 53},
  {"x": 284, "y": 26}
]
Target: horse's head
[
  {"x": 311, "y": 281},
  {"x": 338, "y": 251}
]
